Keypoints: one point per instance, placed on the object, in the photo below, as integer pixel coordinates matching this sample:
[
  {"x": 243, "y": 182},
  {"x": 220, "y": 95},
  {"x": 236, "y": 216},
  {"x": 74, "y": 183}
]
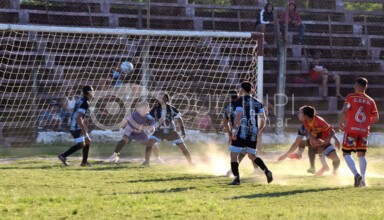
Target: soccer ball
[{"x": 126, "y": 67}]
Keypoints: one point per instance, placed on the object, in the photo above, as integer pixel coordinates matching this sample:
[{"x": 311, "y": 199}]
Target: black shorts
[
  {"x": 239, "y": 142},
  {"x": 76, "y": 134},
  {"x": 172, "y": 136}
]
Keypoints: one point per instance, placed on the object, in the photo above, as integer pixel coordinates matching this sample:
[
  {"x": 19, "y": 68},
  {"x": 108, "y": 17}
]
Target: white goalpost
[{"x": 42, "y": 70}]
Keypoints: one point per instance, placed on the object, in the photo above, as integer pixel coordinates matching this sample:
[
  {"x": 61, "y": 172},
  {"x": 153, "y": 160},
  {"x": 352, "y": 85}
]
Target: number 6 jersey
[{"x": 361, "y": 108}]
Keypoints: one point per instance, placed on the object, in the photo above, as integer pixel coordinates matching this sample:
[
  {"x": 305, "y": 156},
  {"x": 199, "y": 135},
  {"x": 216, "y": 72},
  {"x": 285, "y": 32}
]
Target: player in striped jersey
[
  {"x": 229, "y": 113},
  {"x": 245, "y": 131},
  {"x": 79, "y": 127},
  {"x": 359, "y": 112}
]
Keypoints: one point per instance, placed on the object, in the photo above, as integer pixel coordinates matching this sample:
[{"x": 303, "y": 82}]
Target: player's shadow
[
  {"x": 172, "y": 190},
  {"x": 286, "y": 193},
  {"x": 182, "y": 178}
]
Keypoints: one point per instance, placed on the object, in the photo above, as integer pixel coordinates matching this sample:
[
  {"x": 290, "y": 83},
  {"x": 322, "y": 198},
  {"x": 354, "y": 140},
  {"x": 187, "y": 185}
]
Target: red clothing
[
  {"x": 319, "y": 127},
  {"x": 354, "y": 142},
  {"x": 361, "y": 108},
  {"x": 292, "y": 16}
]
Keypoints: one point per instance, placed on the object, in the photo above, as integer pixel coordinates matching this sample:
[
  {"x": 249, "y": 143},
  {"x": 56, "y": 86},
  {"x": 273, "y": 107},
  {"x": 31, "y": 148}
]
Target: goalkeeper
[
  {"x": 165, "y": 116},
  {"x": 138, "y": 124}
]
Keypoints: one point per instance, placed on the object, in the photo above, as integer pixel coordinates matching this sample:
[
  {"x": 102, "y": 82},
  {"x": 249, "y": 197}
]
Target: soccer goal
[{"x": 43, "y": 69}]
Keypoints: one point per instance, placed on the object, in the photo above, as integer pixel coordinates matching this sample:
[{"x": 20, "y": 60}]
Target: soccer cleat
[
  {"x": 114, "y": 158},
  {"x": 269, "y": 176},
  {"x": 145, "y": 163},
  {"x": 362, "y": 183},
  {"x": 159, "y": 160},
  {"x": 358, "y": 180},
  {"x": 322, "y": 171},
  {"x": 311, "y": 170},
  {"x": 294, "y": 156},
  {"x": 63, "y": 159},
  {"x": 85, "y": 164},
  {"x": 235, "y": 182}
]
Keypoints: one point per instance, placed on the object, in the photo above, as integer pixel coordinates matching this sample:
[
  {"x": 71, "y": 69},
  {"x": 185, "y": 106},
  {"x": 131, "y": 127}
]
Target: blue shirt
[{"x": 81, "y": 106}]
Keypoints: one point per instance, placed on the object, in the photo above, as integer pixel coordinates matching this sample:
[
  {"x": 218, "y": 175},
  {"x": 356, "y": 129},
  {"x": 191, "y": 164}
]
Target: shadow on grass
[
  {"x": 287, "y": 193},
  {"x": 73, "y": 166},
  {"x": 172, "y": 190},
  {"x": 185, "y": 178}
]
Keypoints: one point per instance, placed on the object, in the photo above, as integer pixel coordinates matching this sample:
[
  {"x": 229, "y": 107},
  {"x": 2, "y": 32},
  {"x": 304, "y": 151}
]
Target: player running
[
  {"x": 138, "y": 124},
  {"x": 245, "y": 131},
  {"x": 165, "y": 116},
  {"x": 228, "y": 114},
  {"x": 359, "y": 112},
  {"x": 320, "y": 133},
  {"x": 79, "y": 127}
]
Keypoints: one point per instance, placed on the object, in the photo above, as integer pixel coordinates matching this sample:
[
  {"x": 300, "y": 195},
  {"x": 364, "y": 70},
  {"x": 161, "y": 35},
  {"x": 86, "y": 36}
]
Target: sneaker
[
  {"x": 159, "y": 160},
  {"x": 362, "y": 183},
  {"x": 235, "y": 182},
  {"x": 294, "y": 156},
  {"x": 85, "y": 164},
  {"x": 358, "y": 180},
  {"x": 322, "y": 171},
  {"x": 229, "y": 173},
  {"x": 114, "y": 158},
  {"x": 63, "y": 159},
  {"x": 269, "y": 176},
  {"x": 311, "y": 170},
  {"x": 145, "y": 163}
]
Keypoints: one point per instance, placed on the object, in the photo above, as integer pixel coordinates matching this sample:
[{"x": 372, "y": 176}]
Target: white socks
[
  {"x": 363, "y": 166},
  {"x": 351, "y": 164}
]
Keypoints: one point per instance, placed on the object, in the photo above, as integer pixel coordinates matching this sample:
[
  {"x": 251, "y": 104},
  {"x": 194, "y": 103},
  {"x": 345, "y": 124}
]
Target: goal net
[{"x": 43, "y": 69}]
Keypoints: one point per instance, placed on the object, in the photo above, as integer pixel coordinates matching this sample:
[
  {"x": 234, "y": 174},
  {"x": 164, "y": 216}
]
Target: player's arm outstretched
[{"x": 292, "y": 149}]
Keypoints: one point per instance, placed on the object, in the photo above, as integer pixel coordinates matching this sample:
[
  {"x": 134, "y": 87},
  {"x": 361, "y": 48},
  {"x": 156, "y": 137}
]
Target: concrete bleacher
[{"x": 351, "y": 44}]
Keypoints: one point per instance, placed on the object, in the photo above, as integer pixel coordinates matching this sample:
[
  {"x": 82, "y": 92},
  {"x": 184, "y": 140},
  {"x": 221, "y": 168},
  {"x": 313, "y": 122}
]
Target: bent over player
[
  {"x": 138, "y": 123},
  {"x": 165, "y": 116},
  {"x": 320, "y": 133}
]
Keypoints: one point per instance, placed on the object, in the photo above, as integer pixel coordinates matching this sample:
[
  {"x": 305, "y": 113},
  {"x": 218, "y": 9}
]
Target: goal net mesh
[{"x": 42, "y": 73}]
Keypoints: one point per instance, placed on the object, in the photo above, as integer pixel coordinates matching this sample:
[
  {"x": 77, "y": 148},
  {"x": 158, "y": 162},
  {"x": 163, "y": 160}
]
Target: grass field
[{"x": 34, "y": 185}]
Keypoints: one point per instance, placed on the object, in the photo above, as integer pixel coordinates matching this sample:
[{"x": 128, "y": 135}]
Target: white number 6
[{"x": 360, "y": 115}]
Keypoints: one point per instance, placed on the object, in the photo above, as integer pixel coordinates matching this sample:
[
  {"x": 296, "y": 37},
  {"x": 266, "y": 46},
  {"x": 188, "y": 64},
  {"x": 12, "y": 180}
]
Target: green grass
[{"x": 33, "y": 186}]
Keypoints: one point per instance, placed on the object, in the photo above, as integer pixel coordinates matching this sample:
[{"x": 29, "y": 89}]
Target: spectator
[
  {"x": 294, "y": 21},
  {"x": 265, "y": 19},
  {"x": 320, "y": 74},
  {"x": 52, "y": 119},
  {"x": 203, "y": 121},
  {"x": 70, "y": 99}
]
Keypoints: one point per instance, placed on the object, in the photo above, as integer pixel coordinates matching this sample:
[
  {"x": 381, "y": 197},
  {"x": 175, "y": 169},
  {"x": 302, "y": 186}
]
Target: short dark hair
[
  {"x": 363, "y": 82},
  {"x": 308, "y": 111},
  {"x": 166, "y": 96},
  {"x": 87, "y": 89},
  {"x": 234, "y": 94},
  {"x": 247, "y": 86}
]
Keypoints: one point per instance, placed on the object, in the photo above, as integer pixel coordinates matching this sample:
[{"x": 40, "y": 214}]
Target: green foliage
[{"x": 358, "y": 6}]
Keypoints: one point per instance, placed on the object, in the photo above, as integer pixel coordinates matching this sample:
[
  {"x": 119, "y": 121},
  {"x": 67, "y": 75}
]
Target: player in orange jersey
[
  {"x": 359, "y": 112},
  {"x": 320, "y": 133}
]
